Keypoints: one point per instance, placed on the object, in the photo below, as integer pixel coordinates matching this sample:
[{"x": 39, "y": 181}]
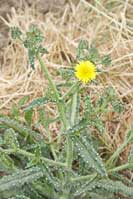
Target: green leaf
[
  {"x": 20, "y": 128},
  {"x": 10, "y": 139},
  {"x": 66, "y": 73},
  {"x": 15, "y": 33},
  {"x": 15, "y": 112},
  {"x": 93, "y": 54},
  {"x": 6, "y": 163},
  {"x": 31, "y": 56},
  {"x": 31, "y": 192},
  {"x": 100, "y": 196},
  {"x": 28, "y": 116},
  {"x": 130, "y": 158},
  {"x": 106, "y": 185},
  {"x": 129, "y": 136},
  {"x": 117, "y": 106},
  {"x": 23, "y": 100},
  {"x": 20, "y": 197},
  {"x": 19, "y": 178},
  {"x": 77, "y": 128},
  {"x": 106, "y": 60},
  {"x": 37, "y": 102},
  {"x": 89, "y": 154}
]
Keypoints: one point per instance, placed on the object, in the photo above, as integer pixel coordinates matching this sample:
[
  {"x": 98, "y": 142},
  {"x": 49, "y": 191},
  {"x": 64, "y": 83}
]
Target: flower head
[{"x": 85, "y": 71}]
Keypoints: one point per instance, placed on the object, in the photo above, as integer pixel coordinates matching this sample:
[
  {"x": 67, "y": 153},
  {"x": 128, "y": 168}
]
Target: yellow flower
[{"x": 85, "y": 71}]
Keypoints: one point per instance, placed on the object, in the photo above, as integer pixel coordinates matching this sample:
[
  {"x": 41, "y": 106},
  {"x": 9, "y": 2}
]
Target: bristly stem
[
  {"x": 53, "y": 87},
  {"x": 115, "y": 169},
  {"x": 71, "y": 90},
  {"x": 31, "y": 155},
  {"x": 118, "y": 151},
  {"x": 69, "y": 157},
  {"x": 45, "y": 70}
]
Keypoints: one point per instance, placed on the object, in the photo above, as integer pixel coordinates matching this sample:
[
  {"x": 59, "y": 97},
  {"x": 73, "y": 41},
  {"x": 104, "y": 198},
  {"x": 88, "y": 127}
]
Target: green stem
[
  {"x": 116, "y": 169},
  {"x": 45, "y": 70},
  {"x": 31, "y": 155},
  {"x": 71, "y": 90},
  {"x": 117, "y": 152},
  {"x": 74, "y": 107},
  {"x": 69, "y": 157},
  {"x": 51, "y": 144},
  {"x": 121, "y": 167},
  {"x": 87, "y": 177},
  {"x": 53, "y": 87}
]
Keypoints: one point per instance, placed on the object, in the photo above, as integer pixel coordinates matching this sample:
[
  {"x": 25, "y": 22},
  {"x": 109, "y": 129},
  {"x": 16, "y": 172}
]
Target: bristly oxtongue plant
[{"x": 67, "y": 165}]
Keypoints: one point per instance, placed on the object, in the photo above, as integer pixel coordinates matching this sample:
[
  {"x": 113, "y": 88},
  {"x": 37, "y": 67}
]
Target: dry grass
[{"x": 107, "y": 24}]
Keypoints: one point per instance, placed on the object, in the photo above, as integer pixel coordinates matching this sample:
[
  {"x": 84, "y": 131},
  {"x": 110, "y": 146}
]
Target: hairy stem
[
  {"x": 115, "y": 169},
  {"x": 69, "y": 157},
  {"x": 71, "y": 90},
  {"x": 53, "y": 87},
  {"x": 31, "y": 155},
  {"x": 118, "y": 151}
]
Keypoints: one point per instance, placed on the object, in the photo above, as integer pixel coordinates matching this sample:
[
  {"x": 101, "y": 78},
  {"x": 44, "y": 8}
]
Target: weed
[{"x": 66, "y": 165}]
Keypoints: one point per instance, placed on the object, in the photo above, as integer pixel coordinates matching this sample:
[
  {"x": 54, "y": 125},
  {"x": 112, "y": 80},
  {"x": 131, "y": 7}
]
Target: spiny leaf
[
  {"x": 89, "y": 154},
  {"x": 66, "y": 73},
  {"x": 37, "y": 102},
  {"x": 28, "y": 116},
  {"x": 129, "y": 137},
  {"x": 100, "y": 196},
  {"x": 117, "y": 106},
  {"x": 130, "y": 158},
  {"x": 20, "y": 128},
  {"x": 106, "y": 185},
  {"x": 6, "y": 163},
  {"x": 77, "y": 127},
  {"x": 93, "y": 54},
  {"x": 106, "y": 60},
  {"x": 31, "y": 192},
  {"x": 20, "y": 197},
  {"x": 10, "y": 139},
  {"x": 19, "y": 178},
  {"x": 23, "y": 101},
  {"x": 45, "y": 189},
  {"x": 15, "y": 33}
]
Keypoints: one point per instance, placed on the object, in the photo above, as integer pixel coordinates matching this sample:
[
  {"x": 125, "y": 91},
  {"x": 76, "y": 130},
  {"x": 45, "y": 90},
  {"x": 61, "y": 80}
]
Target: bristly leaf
[
  {"x": 28, "y": 116},
  {"x": 37, "y": 102},
  {"x": 32, "y": 41},
  {"x": 15, "y": 33},
  {"x": 6, "y": 163},
  {"x": 117, "y": 106},
  {"x": 106, "y": 60},
  {"x": 66, "y": 73},
  {"x": 106, "y": 185},
  {"x": 10, "y": 139},
  {"x": 20, "y": 197},
  {"x": 93, "y": 54},
  {"x": 20, "y": 128},
  {"x": 130, "y": 158},
  {"x": 82, "y": 46},
  {"x": 89, "y": 154},
  {"x": 19, "y": 178},
  {"x": 92, "y": 115},
  {"x": 31, "y": 55},
  {"x": 77, "y": 128}
]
